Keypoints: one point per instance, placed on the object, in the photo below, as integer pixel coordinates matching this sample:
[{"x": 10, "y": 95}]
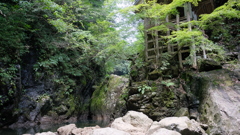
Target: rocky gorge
[
  {"x": 208, "y": 100},
  {"x": 205, "y": 102},
  {"x": 69, "y": 61},
  {"x": 137, "y": 123}
]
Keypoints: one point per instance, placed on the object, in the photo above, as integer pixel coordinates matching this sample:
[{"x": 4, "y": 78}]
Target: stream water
[{"x": 45, "y": 128}]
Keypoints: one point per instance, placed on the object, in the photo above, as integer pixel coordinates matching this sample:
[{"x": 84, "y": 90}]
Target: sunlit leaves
[
  {"x": 155, "y": 10},
  {"x": 60, "y": 25},
  {"x": 184, "y": 36},
  {"x": 221, "y": 13}
]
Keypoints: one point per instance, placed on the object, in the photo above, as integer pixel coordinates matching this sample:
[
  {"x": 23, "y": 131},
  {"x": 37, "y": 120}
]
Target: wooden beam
[
  {"x": 156, "y": 43},
  {"x": 150, "y": 57},
  {"x": 204, "y": 51},
  {"x": 179, "y": 53},
  {"x": 168, "y": 33},
  {"x": 212, "y": 5},
  {"x": 160, "y": 47},
  {"x": 193, "y": 47},
  {"x": 146, "y": 41},
  {"x": 184, "y": 51}
]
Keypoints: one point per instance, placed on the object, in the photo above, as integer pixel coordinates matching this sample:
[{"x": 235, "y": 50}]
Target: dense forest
[
  {"x": 68, "y": 44},
  {"x": 54, "y": 53}
]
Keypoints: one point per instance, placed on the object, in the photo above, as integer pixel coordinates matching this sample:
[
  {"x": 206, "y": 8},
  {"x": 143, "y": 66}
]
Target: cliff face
[
  {"x": 219, "y": 94},
  {"x": 41, "y": 100},
  {"x": 211, "y": 96}
]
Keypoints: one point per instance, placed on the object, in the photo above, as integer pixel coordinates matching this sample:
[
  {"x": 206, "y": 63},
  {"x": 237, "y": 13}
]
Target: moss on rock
[{"x": 107, "y": 98}]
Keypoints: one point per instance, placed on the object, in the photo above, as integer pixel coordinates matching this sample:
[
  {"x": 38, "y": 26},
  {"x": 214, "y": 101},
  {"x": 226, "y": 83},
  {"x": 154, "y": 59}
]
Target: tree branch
[{"x": 2, "y": 13}]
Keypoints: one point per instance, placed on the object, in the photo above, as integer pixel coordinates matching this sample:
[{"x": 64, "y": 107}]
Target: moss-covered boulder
[
  {"x": 107, "y": 101},
  {"x": 218, "y": 92},
  {"x": 154, "y": 74},
  {"x": 208, "y": 65},
  {"x": 157, "y": 99}
]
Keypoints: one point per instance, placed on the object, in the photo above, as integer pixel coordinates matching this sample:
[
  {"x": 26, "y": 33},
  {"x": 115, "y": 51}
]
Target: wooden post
[
  {"x": 193, "y": 47},
  {"x": 238, "y": 56},
  {"x": 179, "y": 51},
  {"x": 168, "y": 33},
  {"x": 157, "y": 44},
  {"x": 146, "y": 41},
  {"x": 204, "y": 52},
  {"x": 212, "y": 4}
]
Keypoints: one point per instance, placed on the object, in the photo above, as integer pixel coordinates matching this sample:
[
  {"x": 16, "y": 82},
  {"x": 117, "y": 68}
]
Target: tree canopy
[{"x": 73, "y": 41}]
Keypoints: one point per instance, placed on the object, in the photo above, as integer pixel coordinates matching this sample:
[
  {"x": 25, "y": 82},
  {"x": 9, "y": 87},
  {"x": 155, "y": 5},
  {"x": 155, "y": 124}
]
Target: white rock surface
[
  {"x": 155, "y": 126},
  {"x": 108, "y": 131},
  {"x": 135, "y": 123},
  {"x": 46, "y": 133},
  {"x": 84, "y": 131},
  {"x": 164, "y": 131},
  {"x": 183, "y": 125},
  {"x": 66, "y": 130}
]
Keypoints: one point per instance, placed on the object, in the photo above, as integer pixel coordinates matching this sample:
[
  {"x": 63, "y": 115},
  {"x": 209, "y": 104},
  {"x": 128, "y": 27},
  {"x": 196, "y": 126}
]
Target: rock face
[
  {"x": 107, "y": 101},
  {"x": 219, "y": 95},
  {"x": 183, "y": 125},
  {"x": 208, "y": 65},
  {"x": 44, "y": 97},
  {"x": 133, "y": 122},
  {"x": 66, "y": 130},
  {"x": 155, "y": 99},
  {"x": 152, "y": 90}
]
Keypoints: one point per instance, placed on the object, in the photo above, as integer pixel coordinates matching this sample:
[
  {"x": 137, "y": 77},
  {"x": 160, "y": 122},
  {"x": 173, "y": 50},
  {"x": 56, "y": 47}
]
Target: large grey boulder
[
  {"x": 84, "y": 131},
  {"x": 135, "y": 123},
  {"x": 163, "y": 131},
  {"x": 156, "y": 129},
  {"x": 183, "y": 125},
  {"x": 108, "y": 131},
  {"x": 109, "y": 105},
  {"x": 219, "y": 94},
  {"x": 208, "y": 65},
  {"x": 222, "y": 108},
  {"x": 66, "y": 130},
  {"x": 46, "y": 133}
]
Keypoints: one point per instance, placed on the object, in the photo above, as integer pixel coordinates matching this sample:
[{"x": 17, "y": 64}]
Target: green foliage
[
  {"x": 142, "y": 89},
  {"x": 97, "y": 101},
  {"x": 223, "y": 23},
  {"x": 168, "y": 83},
  {"x": 12, "y": 39},
  {"x": 124, "y": 96},
  {"x": 151, "y": 9},
  {"x": 215, "y": 22},
  {"x": 196, "y": 37},
  {"x": 74, "y": 42},
  {"x": 164, "y": 61},
  {"x": 122, "y": 67},
  {"x": 228, "y": 10},
  {"x": 72, "y": 105},
  {"x": 43, "y": 97},
  {"x": 60, "y": 25}
]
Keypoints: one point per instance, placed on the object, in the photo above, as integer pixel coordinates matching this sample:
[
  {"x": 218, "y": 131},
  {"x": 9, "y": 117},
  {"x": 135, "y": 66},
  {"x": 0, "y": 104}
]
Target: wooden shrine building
[{"x": 155, "y": 46}]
